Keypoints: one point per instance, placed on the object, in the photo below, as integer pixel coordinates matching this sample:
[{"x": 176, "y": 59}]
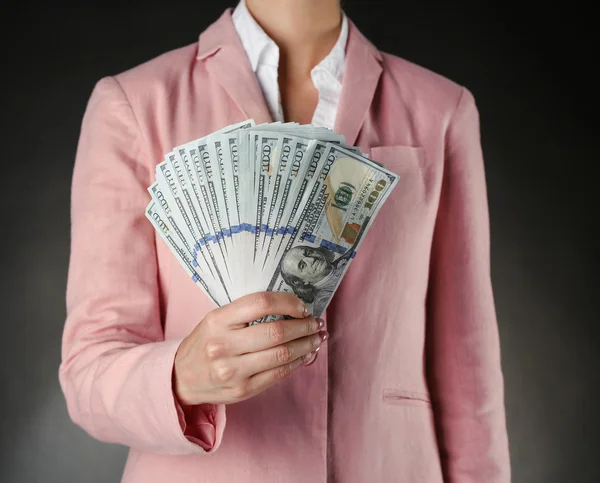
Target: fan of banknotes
[{"x": 269, "y": 207}]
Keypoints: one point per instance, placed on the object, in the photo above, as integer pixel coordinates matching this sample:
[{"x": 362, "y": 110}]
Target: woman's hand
[{"x": 225, "y": 361}]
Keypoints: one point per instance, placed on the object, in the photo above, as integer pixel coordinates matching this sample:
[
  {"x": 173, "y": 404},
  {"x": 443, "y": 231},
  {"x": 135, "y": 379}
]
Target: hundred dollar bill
[
  {"x": 227, "y": 146},
  {"x": 164, "y": 203},
  {"x": 339, "y": 206},
  {"x": 199, "y": 257},
  {"x": 167, "y": 176},
  {"x": 247, "y": 124},
  {"x": 246, "y": 204},
  {"x": 211, "y": 174},
  {"x": 175, "y": 163},
  {"x": 225, "y": 191},
  {"x": 314, "y": 164},
  {"x": 275, "y": 168},
  {"x": 268, "y": 148},
  {"x": 164, "y": 229},
  {"x": 168, "y": 188},
  {"x": 278, "y": 206},
  {"x": 221, "y": 163},
  {"x": 285, "y": 172},
  {"x": 306, "y": 131},
  {"x": 300, "y": 172},
  {"x": 207, "y": 242},
  {"x": 216, "y": 166},
  {"x": 214, "y": 233},
  {"x": 224, "y": 149}
]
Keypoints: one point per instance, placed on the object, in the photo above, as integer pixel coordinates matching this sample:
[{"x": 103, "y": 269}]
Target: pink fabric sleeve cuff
[
  {"x": 203, "y": 424},
  {"x": 193, "y": 430}
]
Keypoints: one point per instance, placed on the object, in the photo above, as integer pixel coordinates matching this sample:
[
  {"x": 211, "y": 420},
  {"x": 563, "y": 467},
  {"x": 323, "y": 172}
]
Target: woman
[{"x": 408, "y": 387}]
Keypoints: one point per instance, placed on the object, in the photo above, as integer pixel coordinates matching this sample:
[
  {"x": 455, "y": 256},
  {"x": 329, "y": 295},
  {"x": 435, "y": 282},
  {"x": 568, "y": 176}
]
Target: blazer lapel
[
  {"x": 361, "y": 75},
  {"x": 220, "y": 48}
]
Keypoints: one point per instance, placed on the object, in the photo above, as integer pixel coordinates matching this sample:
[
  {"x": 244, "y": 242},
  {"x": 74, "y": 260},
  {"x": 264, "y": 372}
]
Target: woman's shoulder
[
  {"x": 160, "y": 70},
  {"x": 410, "y": 80},
  {"x": 177, "y": 65}
]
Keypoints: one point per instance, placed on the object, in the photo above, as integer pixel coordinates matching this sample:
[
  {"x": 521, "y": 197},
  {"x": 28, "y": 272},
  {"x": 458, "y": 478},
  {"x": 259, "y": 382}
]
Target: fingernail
[
  {"x": 324, "y": 335},
  {"x": 308, "y": 359},
  {"x": 321, "y": 323}
]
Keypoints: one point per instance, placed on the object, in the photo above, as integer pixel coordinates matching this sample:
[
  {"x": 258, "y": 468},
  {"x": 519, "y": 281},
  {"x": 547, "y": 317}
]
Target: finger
[
  {"x": 263, "y": 380},
  {"x": 271, "y": 334},
  {"x": 257, "y": 305},
  {"x": 257, "y": 362},
  {"x": 311, "y": 358}
]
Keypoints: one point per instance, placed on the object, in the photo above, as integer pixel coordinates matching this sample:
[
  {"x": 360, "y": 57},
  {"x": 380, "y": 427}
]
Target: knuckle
[
  {"x": 283, "y": 371},
  {"x": 283, "y": 354},
  {"x": 210, "y": 319},
  {"x": 241, "y": 391},
  {"x": 310, "y": 326},
  {"x": 214, "y": 350},
  {"x": 263, "y": 301},
  {"x": 275, "y": 331},
  {"x": 224, "y": 372}
]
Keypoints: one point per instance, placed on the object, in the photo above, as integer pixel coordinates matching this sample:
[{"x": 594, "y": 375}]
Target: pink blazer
[{"x": 409, "y": 387}]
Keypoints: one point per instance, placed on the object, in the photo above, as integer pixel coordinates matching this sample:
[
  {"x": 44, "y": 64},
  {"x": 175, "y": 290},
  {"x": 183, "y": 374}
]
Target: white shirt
[{"x": 263, "y": 54}]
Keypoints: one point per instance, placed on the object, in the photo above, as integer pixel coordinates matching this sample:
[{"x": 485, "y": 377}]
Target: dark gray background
[{"x": 528, "y": 68}]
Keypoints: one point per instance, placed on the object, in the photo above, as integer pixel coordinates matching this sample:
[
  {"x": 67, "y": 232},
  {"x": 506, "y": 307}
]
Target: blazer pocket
[
  {"x": 403, "y": 397},
  {"x": 410, "y": 197},
  {"x": 399, "y": 158}
]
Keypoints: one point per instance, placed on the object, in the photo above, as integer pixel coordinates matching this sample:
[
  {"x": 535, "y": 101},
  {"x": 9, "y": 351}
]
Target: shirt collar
[{"x": 261, "y": 49}]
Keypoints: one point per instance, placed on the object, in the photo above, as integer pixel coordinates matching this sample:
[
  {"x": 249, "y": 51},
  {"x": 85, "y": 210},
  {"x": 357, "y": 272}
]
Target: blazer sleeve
[
  {"x": 463, "y": 349},
  {"x": 116, "y": 369}
]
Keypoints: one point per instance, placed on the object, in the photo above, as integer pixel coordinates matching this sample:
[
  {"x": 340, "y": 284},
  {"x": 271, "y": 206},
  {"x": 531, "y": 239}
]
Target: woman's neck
[{"x": 304, "y": 30}]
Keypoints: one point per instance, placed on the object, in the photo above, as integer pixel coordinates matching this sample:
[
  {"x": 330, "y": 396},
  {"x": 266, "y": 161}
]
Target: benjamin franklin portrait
[{"x": 313, "y": 274}]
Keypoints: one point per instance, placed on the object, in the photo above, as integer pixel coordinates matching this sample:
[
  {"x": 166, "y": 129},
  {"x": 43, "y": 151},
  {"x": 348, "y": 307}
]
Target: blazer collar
[
  {"x": 220, "y": 48},
  {"x": 361, "y": 76}
]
